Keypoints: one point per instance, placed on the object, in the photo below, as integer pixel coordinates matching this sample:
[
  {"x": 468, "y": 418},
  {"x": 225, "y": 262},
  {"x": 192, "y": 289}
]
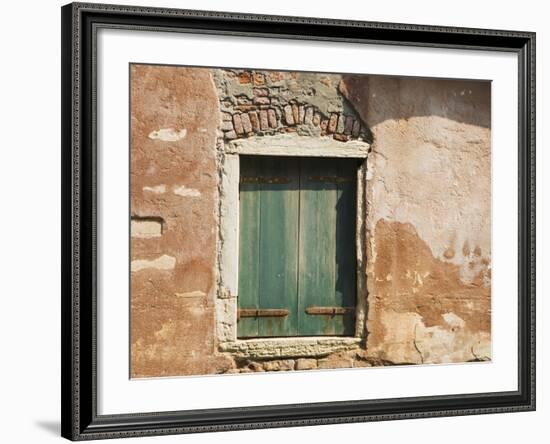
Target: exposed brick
[
  {"x": 247, "y": 125},
  {"x": 244, "y": 77},
  {"x": 308, "y": 118},
  {"x": 332, "y": 123},
  {"x": 261, "y": 92},
  {"x": 259, "y": 79},
  {"x": 341, "y": 137},
  {"x": 246, "y": 108},
  {"x": 276, "y": 76},
  {"x": 324, "y": 126},
  {"x": 302, "y": 113},
  {"x": 227, "y": 116},
  {"x": 261, "y": 100},
  {"x": 316, "y": 119},
  {"x": 263, "y": 120},
  {"x": 254, "y": 120},
  {"x": 356, "y": 128},
  {"x": 238, "y": 124},
  {"x": 272, "y": 118},
  {"x": 296, "y": 113},
  {"x": 349, "y": 125},
  {"x": 289, "y": 118},
  {"x": 341, "y": 124}
]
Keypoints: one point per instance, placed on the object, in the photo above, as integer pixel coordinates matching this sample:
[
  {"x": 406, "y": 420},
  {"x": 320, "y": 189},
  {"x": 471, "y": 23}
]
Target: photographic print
[
  {"x": 273, "y": 221},
  {"x": 304, "y": 221}
]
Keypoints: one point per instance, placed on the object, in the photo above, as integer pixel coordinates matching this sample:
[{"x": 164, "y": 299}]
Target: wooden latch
[
  {"x": 262, "y": 313},
  {"x": 330, "y": 311}
]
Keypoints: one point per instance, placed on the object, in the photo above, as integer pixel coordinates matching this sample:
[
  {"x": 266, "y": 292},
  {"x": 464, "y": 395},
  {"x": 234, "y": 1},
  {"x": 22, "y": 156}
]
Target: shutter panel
[
  {"x": 327, "y": 247},
  {"x": 249, "y": 245},
  {"x": 268, "y": 254},
  {"x": 346, "y": 257},
  {"x": 297, "y": 265}
]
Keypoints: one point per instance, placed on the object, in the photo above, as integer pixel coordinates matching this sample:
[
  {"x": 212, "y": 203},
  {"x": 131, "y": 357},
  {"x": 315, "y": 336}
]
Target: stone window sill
[{"x": 269, "y": 348}]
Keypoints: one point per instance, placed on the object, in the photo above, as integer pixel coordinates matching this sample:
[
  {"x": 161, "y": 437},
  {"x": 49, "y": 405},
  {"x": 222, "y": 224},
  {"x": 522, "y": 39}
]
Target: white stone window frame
[{"x": 228, "y": 242}]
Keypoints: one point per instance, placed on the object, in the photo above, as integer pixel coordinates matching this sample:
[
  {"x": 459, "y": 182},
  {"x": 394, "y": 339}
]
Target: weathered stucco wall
[
  {"x": 427, "y": 220},
  {"x": 428, "y": 217},
  {"x": 175, "y": 116}
]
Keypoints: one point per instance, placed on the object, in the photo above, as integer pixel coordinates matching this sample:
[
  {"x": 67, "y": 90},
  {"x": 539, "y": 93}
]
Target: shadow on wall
[{"x": 381, "y": 98}]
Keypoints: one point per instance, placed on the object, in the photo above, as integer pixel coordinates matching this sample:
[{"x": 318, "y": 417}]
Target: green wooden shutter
[
  {"x": 327, "y": 246},
  {"x": 297, "y": 246}
]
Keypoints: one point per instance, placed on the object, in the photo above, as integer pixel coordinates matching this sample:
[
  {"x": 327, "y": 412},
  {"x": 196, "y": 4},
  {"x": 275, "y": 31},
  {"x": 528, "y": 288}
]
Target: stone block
[
  {"x": 308, "y": 118},
  {"x": 316, "y": 119},
  {"x": 238, "y": 124},
  {"x": 261, "y": 92},
  {"x": 247, "y": 125},
  {"x": 261, "y": 101},
  {"x": 306, "y": 364},
  {"x": 272, "y": 118},
  {"x": 296, "y": 113},
  {"x": 259, "y": 79},
  {"x": 254, "y": 120},
  {"x": 289, "y": 117},
  {"x": 279, "y": 365},
  {"x": 230, "y": 135},
  {"x": 227, "y": 125},
  {"x": 335, "y": 362},
  {"x": 332, "y": 123},
  {"x": 264, "y": 120},
  {"x": 245, "y": 77}
]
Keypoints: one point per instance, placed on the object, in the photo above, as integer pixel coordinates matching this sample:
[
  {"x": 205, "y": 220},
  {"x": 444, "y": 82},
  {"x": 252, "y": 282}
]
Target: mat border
[{"x": 79, "y": 418}]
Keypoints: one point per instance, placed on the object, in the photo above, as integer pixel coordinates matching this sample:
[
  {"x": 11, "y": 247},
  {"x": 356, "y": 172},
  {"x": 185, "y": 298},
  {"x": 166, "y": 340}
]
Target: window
[{"x": 297, "y": 257}]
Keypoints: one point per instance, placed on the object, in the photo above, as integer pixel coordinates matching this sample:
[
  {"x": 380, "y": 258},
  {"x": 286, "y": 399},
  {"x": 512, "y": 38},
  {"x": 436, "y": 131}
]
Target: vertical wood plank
[
  {"x": 317, "y": 249},
  {"x": 249, "y": 244},
  {"x": 345, "y": 260},
  {"x": 279, "y": 244}
]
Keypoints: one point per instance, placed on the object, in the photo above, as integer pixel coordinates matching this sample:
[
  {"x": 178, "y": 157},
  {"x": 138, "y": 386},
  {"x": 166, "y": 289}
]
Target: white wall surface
[{"x": 30, "y": 221}]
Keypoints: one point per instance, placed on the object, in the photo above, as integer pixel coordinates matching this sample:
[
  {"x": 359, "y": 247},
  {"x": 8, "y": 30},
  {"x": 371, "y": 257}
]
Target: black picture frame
[{"x": 80, "y": 420}]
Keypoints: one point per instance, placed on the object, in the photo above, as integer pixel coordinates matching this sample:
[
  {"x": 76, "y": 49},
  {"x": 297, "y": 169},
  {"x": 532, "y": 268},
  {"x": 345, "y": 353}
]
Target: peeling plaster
[
  {"x": 191, "y": 294},
  {"x": 158, "y": 189},
  {"x": 146, "y": 228},
  {"x": 168, "y": 134},
  {"x": 163, "y": 262},
  {"x": 182, "y": 190}
]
